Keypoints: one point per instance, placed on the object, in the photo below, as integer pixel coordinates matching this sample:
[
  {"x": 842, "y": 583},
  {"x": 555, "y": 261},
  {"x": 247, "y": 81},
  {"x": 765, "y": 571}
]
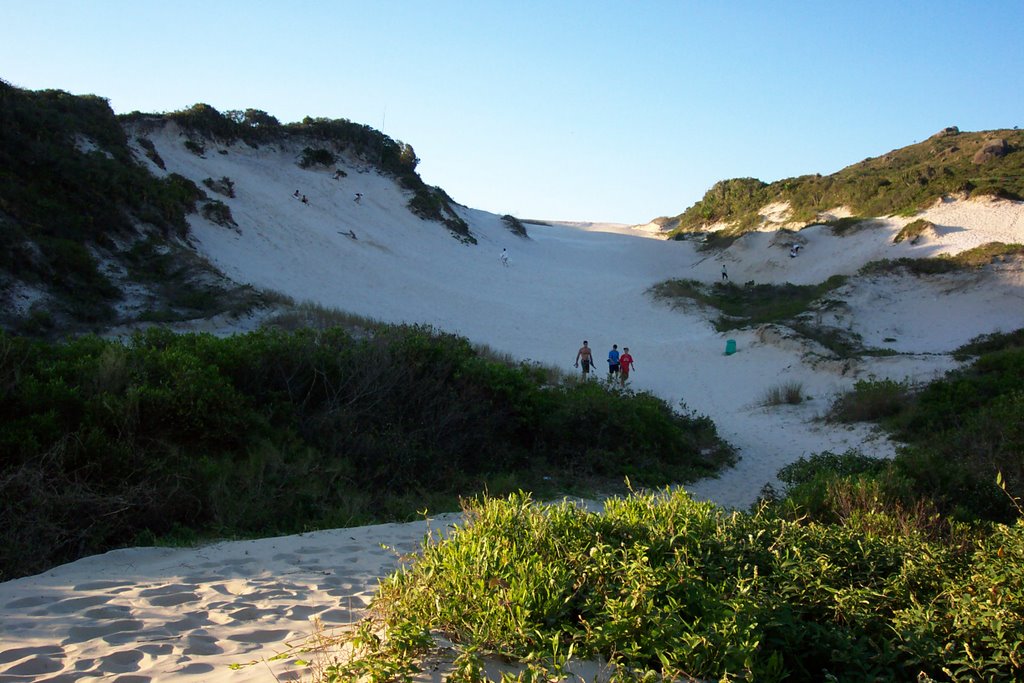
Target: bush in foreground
[{"x": 663, "y": 586}]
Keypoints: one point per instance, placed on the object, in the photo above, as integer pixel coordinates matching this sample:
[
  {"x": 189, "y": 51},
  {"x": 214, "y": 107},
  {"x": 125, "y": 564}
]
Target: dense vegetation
[
  {"x": 666, "y": 588},
  {"x": 961, "y": 432},
  {"x": 106, "y": 443},
  {"x": 900, "y": 182},
  {"x": 69, "y": 193},
  {"x": 749, "y": 304},
  {"x": 81, "y": 222}
]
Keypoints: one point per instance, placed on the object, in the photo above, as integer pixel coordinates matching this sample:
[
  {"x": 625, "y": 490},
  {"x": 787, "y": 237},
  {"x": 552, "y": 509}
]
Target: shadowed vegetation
[{"x": 107, "y": 444}]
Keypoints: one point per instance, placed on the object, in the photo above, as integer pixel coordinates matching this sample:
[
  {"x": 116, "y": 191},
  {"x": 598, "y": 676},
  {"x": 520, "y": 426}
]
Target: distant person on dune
[
  {"x": 613, "y": 361},
  {"x": 625, "y": 364},
  {"x": 586, "y": 357},
  {"x": 725, "y": 275},
  {"x": 504, "y": 257}
]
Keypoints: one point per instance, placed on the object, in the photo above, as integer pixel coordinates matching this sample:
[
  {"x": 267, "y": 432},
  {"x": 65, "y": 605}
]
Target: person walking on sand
[
  {"x": 625, "y": 365},
  {"x": 725, "y": 274},
  {"x": 613, "y": 361},
  {"x": 586, "y": 357},
  {"x": 504, "y": 257}
]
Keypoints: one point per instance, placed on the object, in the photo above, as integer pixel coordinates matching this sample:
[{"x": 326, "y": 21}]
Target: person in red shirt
[{"x": 625, "y": 364}]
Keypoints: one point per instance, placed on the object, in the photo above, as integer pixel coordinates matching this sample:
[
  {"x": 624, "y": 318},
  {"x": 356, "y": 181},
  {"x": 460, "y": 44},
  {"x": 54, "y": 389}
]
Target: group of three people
[{"x": 620, "y": 364}]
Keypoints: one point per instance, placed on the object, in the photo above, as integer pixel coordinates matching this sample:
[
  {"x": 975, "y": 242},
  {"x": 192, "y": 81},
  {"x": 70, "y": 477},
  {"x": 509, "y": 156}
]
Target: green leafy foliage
[
  {"x": 664, "y": 587},
  {"x": 70, "y": 190},
  {"x": 912, "y": 230},
  {"x": 316, "y": 157},
  {"x": 272, "y": 432},
  {"x": 974, "y": 258},
  {"x": 749, "y": 304},
  {"x": 961, "y": 432},
  {"x": 514, "y": 225},
  {"x": 870, "y": 400},
  {"x": 900, "y": 182}
]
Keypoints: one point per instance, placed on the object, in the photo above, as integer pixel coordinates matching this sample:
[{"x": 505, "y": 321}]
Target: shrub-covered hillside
[
  {"x": 105, "y": 444},
  {"x": 90, "y": 238},
  {"x": 902, "y": 181},
  {"x": 325, "y": 141}
]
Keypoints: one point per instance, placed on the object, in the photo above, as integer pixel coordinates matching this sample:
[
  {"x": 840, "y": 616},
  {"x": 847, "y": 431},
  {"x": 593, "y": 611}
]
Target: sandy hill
[{"x": 573, "y": 281}]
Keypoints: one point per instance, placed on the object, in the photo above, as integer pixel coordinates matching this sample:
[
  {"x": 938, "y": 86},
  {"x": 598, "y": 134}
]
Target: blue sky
[{"x": 611, "y": 111}]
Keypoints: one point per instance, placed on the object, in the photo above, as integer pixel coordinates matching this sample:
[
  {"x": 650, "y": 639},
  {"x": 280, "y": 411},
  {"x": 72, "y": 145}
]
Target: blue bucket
[{"x": 730, "y": 347}]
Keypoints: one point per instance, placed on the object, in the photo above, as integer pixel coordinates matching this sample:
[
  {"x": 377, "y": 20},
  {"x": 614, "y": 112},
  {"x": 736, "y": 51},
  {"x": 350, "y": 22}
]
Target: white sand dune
[{"x": 153, "y": 614}]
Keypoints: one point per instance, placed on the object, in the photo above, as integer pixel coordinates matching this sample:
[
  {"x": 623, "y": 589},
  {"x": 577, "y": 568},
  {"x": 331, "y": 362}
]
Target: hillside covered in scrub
[
  {"x": 903, "y": 181},
  {"x": 95, "y": 233}
]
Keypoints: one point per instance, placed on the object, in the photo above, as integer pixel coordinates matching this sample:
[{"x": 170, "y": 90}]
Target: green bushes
[
  {"x": 960, "y": 432},
  {"x": 913, "y": 230},
  {"x": 272, "y": 432},
  {"x": 514, "y": 225},
  {"x": 660, "y": 585},
  {"x": 218, "y": 212},
  {"x": 870, "y": 400},
  {"x": 748, "y": 304},
  {"x": 900, "y": 182},
  {"x": 791, "y": 393},
  {"x": 224, "y": 186},
  {"x": 316, "y": 157}
]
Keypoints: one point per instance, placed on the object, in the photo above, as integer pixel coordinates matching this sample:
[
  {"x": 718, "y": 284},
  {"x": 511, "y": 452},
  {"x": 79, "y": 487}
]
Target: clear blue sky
[{"x": 612, "y": 111}]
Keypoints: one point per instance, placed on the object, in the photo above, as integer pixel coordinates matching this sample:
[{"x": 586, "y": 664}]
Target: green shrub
[
  {"x": 870, "y": 400},
  {"x": 912, "y": 230},
  {"x": 224, "y": 186},
  {"x": 515, "y": 225},
  {"x": 150, "y": 150},
  {"x": 316, "y": 157},
  {"x": 989, "y": 343},
  {"x": 663, "y": 587},
  {"x": 218, "y": 212},
  {"x": 749, "y": 304},
  {"x": 791, "y": 393},
  {"x": 197, "y": 148}
]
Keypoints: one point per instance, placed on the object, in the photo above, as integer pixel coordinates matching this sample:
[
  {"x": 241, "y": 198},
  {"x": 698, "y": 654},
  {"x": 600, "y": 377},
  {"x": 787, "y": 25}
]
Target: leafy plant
[
  {"x": 316, "y": 157},
  {"x": 749, "y": 304},
  {"x": 791, "y": 393},
  {"x": 218, "y": 212},
  {"x": 224, "y": 186},
  {"x": 662, "y": 587},
  {"x": 913, "y": 230}
]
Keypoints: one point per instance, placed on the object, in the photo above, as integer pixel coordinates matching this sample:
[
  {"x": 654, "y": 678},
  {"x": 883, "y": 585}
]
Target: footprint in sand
[
  {"x": 121, "y": 662},
  {"x": 173, "y": 599},
  {"x": 261, "y": 636},
  {"x": 22, "y": 603},
  {"x": 36, "y": 665},
  {"x": 102, "y": 585},
  {"x": 72, "y": 605},
  {"x": 80, "y": 634},
  {"x": 203, "y": 646}
]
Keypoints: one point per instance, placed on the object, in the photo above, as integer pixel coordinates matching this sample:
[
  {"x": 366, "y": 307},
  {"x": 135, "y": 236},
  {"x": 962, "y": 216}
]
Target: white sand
[{"x": 150, "y": 614}]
